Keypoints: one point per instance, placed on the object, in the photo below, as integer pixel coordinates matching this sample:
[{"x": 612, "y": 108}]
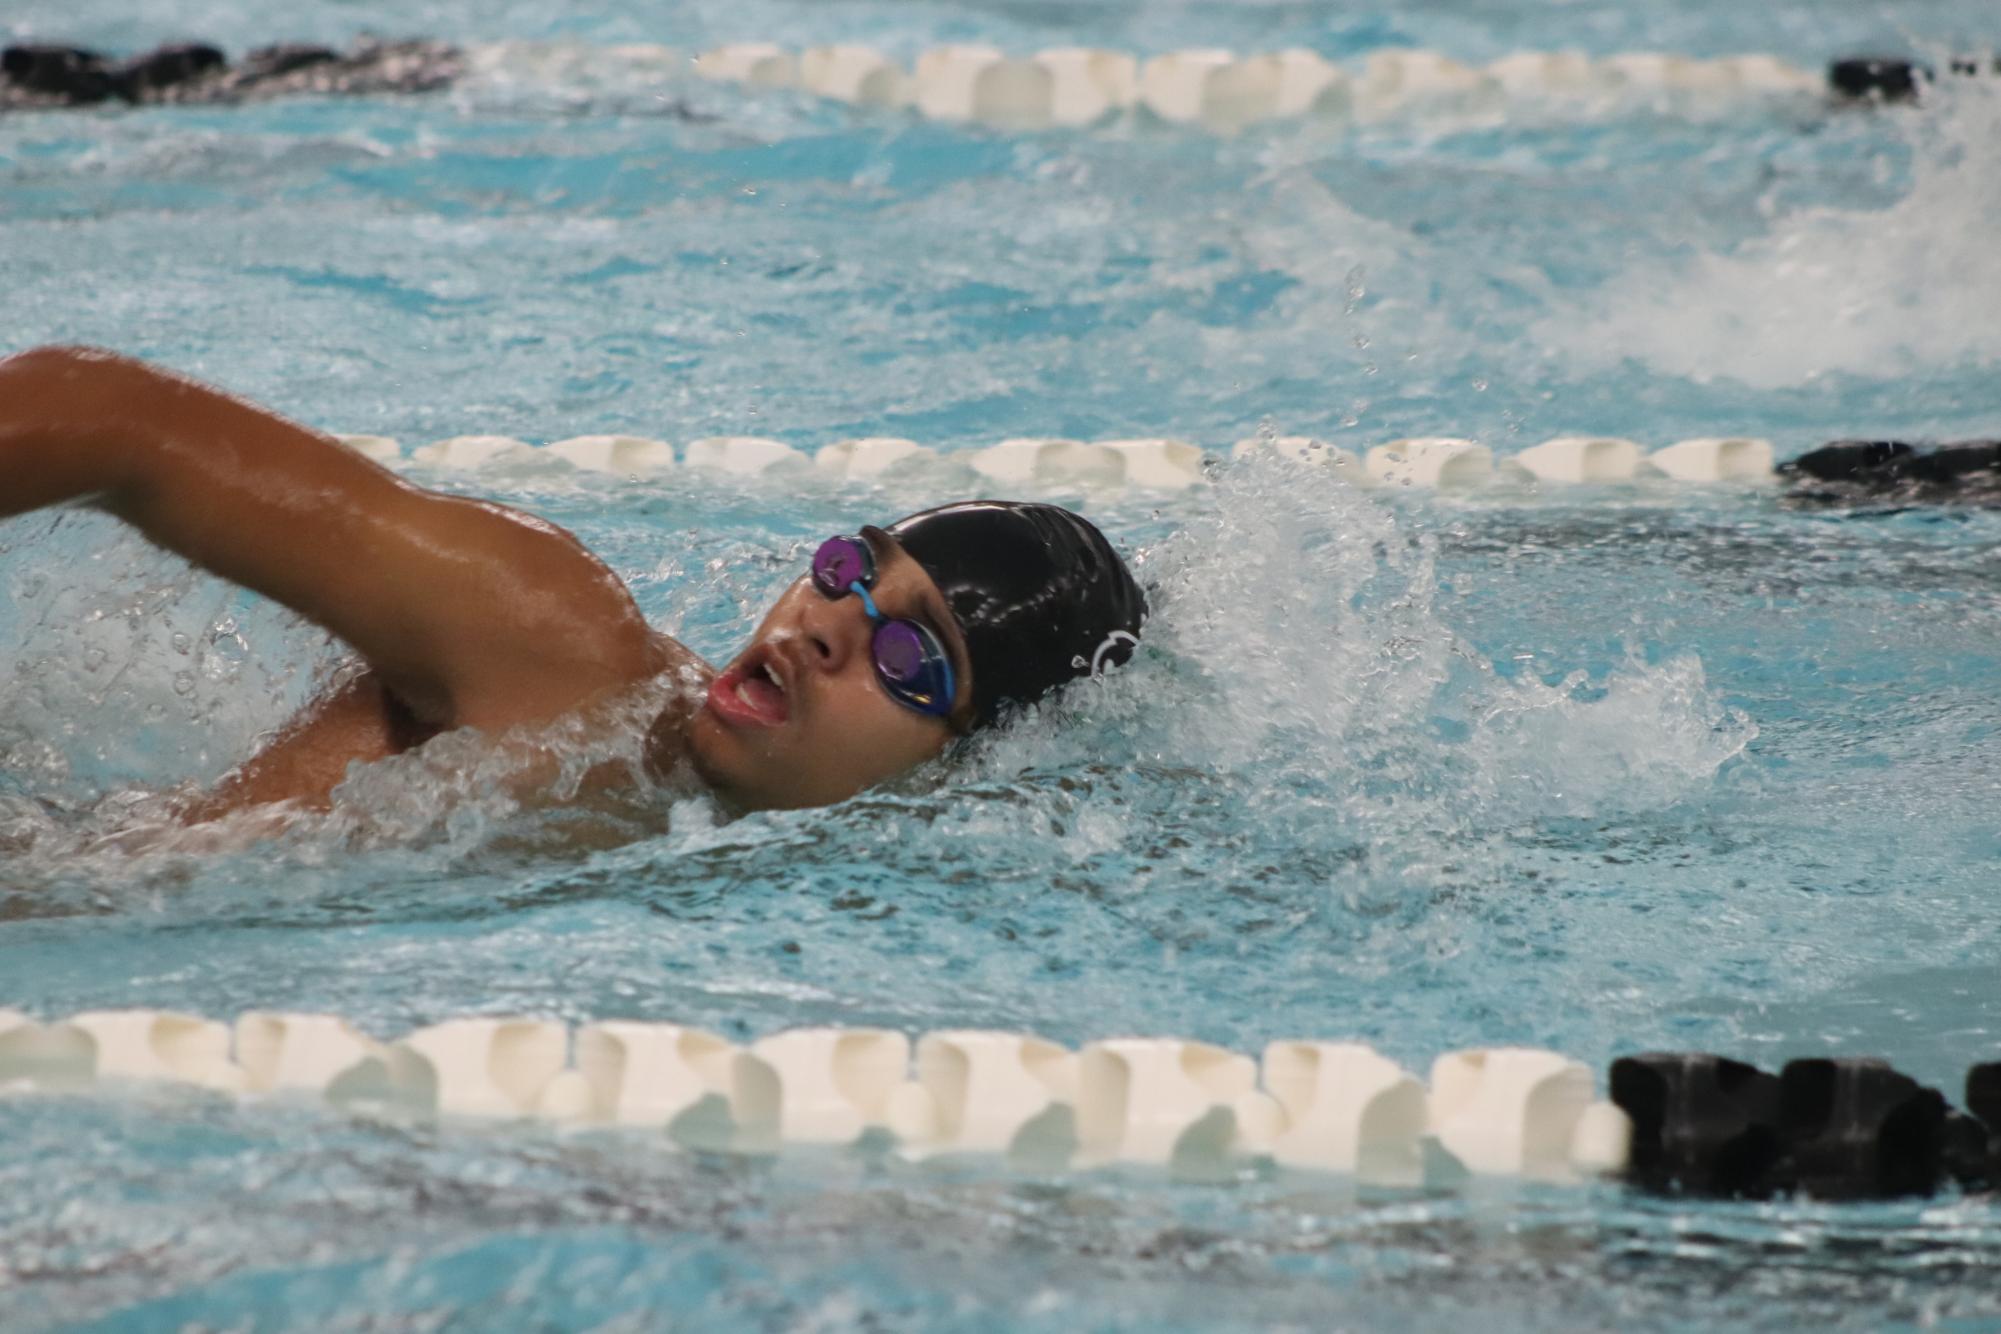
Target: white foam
[
  {"x": 1876, "y": 293},
  {"x": 1305, "y": 449}
]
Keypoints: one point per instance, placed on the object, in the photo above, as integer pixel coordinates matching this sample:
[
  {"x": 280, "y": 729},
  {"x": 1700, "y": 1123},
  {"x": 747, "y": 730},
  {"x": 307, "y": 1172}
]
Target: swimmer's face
[{"x": 800, "y": 717}]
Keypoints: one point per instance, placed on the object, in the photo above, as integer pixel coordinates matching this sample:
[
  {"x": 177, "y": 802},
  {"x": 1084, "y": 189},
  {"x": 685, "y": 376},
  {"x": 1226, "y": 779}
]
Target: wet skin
[{"x": 463, "y": 613}]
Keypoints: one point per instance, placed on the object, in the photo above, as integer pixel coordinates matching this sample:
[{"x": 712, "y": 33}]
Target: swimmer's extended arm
[{"x": 471, "y": 612}]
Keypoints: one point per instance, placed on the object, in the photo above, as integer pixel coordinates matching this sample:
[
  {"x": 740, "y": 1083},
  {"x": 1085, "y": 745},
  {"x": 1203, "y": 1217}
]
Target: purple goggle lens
[
  {"x": 909, "y": 661},
  {"x": 841, "y": 563}
]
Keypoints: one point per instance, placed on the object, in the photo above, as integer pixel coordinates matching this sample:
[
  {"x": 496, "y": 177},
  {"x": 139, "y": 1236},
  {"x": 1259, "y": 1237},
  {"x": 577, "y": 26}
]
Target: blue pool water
[{"x": 1607, "y": 773}]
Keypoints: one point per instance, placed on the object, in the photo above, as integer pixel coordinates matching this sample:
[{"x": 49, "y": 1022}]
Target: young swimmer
[{"x": 467, "y": 613}]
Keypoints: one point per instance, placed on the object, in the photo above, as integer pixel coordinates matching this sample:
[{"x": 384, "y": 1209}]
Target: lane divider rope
[
  {"x": 1156, "y": 464},
  {"x": 1841, "y": 471},
  {"x": 1673, "y": 1121},
  {"x": 1058, "y": 87},
  {"x": 1224, "y": 91}
]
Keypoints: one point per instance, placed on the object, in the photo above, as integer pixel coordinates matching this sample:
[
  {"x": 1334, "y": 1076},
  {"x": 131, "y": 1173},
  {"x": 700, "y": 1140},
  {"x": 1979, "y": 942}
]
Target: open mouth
[{"x": 752, "y": 691}]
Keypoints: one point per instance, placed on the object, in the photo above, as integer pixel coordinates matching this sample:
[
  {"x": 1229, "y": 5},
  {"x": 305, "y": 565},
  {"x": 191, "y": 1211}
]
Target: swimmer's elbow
[{"x": 69, "y": 417}]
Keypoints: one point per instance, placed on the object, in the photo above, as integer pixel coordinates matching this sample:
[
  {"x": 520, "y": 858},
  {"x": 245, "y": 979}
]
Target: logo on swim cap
[{"x": 1096, "y": 666}]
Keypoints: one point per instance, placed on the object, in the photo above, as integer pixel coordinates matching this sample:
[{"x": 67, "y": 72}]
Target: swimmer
[{"x": 467, "y": 614}]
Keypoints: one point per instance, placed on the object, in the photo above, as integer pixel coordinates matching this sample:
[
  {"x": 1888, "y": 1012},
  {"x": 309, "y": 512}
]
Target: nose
[{"x": 835, "y": 630}]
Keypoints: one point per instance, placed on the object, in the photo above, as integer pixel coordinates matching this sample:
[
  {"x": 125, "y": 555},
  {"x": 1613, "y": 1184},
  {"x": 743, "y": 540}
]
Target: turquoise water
[{"x": 1604, "y": 773}]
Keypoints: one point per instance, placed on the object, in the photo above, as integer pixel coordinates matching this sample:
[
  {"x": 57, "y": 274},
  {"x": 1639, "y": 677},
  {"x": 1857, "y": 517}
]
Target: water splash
[
  {"x": 1879, "y": 293},
  {"x": 1302, "y": 669}
]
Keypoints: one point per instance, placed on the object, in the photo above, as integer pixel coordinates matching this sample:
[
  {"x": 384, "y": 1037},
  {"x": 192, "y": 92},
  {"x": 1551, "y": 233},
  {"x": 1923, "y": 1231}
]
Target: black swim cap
[{"x": 1038, "y": 592}]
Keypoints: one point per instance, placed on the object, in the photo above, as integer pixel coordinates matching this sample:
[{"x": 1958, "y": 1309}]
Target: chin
[{"x": 720, "y": 760}]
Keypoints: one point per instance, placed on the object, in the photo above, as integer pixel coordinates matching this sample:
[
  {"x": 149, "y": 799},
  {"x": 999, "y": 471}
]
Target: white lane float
[
  {"x": 847, "y": 72},
  {"x": 1305, "y": 84},
  {"x": 298, "y": 1053},
  {"x": 664, "y": 1076},
  {"x": 1163, "y": 1102},
  {"x": 1720, "y": 459},
  {"x": 1054, "y": 464},
  {"x": 1509, "y": 1111},
  {"x": 978, "y": 1091},
  {"x": 475, "y": 1067},
  {"x": 43, "y": 1057},
  {"x": 1770, "y": 76},
  {"x": 1602, "y": 1143},
  {"x": 743, "y": 455},
  {"x": 1226, "y": 93},
  {"x": 1418, "y": 83},
  {"x": 1159, "y": 464},
  {"x": 622, "y": 455},
  {"x": 157, "y": 1046},
  {"x": 872, "y": 456},
  {"x": 1552, "y": 77},
  {"x": 981, "y": 83},
  {"x": 818, "y": 1085},
  {"x": 1578, "y": 459},
  {"x": 1087, "y": 85},
  {"x": 1441, "y": 462},
  {"x": 755, "y": 64},
  {"x": 1348, "y": 1109}
]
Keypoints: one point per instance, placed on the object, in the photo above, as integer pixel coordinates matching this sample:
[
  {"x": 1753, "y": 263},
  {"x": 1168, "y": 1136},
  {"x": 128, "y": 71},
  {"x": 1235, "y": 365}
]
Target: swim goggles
[{"x": 909, "y": 661}]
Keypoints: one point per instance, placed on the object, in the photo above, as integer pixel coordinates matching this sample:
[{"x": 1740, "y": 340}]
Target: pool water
[{"x": 1601, "y": 771}]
